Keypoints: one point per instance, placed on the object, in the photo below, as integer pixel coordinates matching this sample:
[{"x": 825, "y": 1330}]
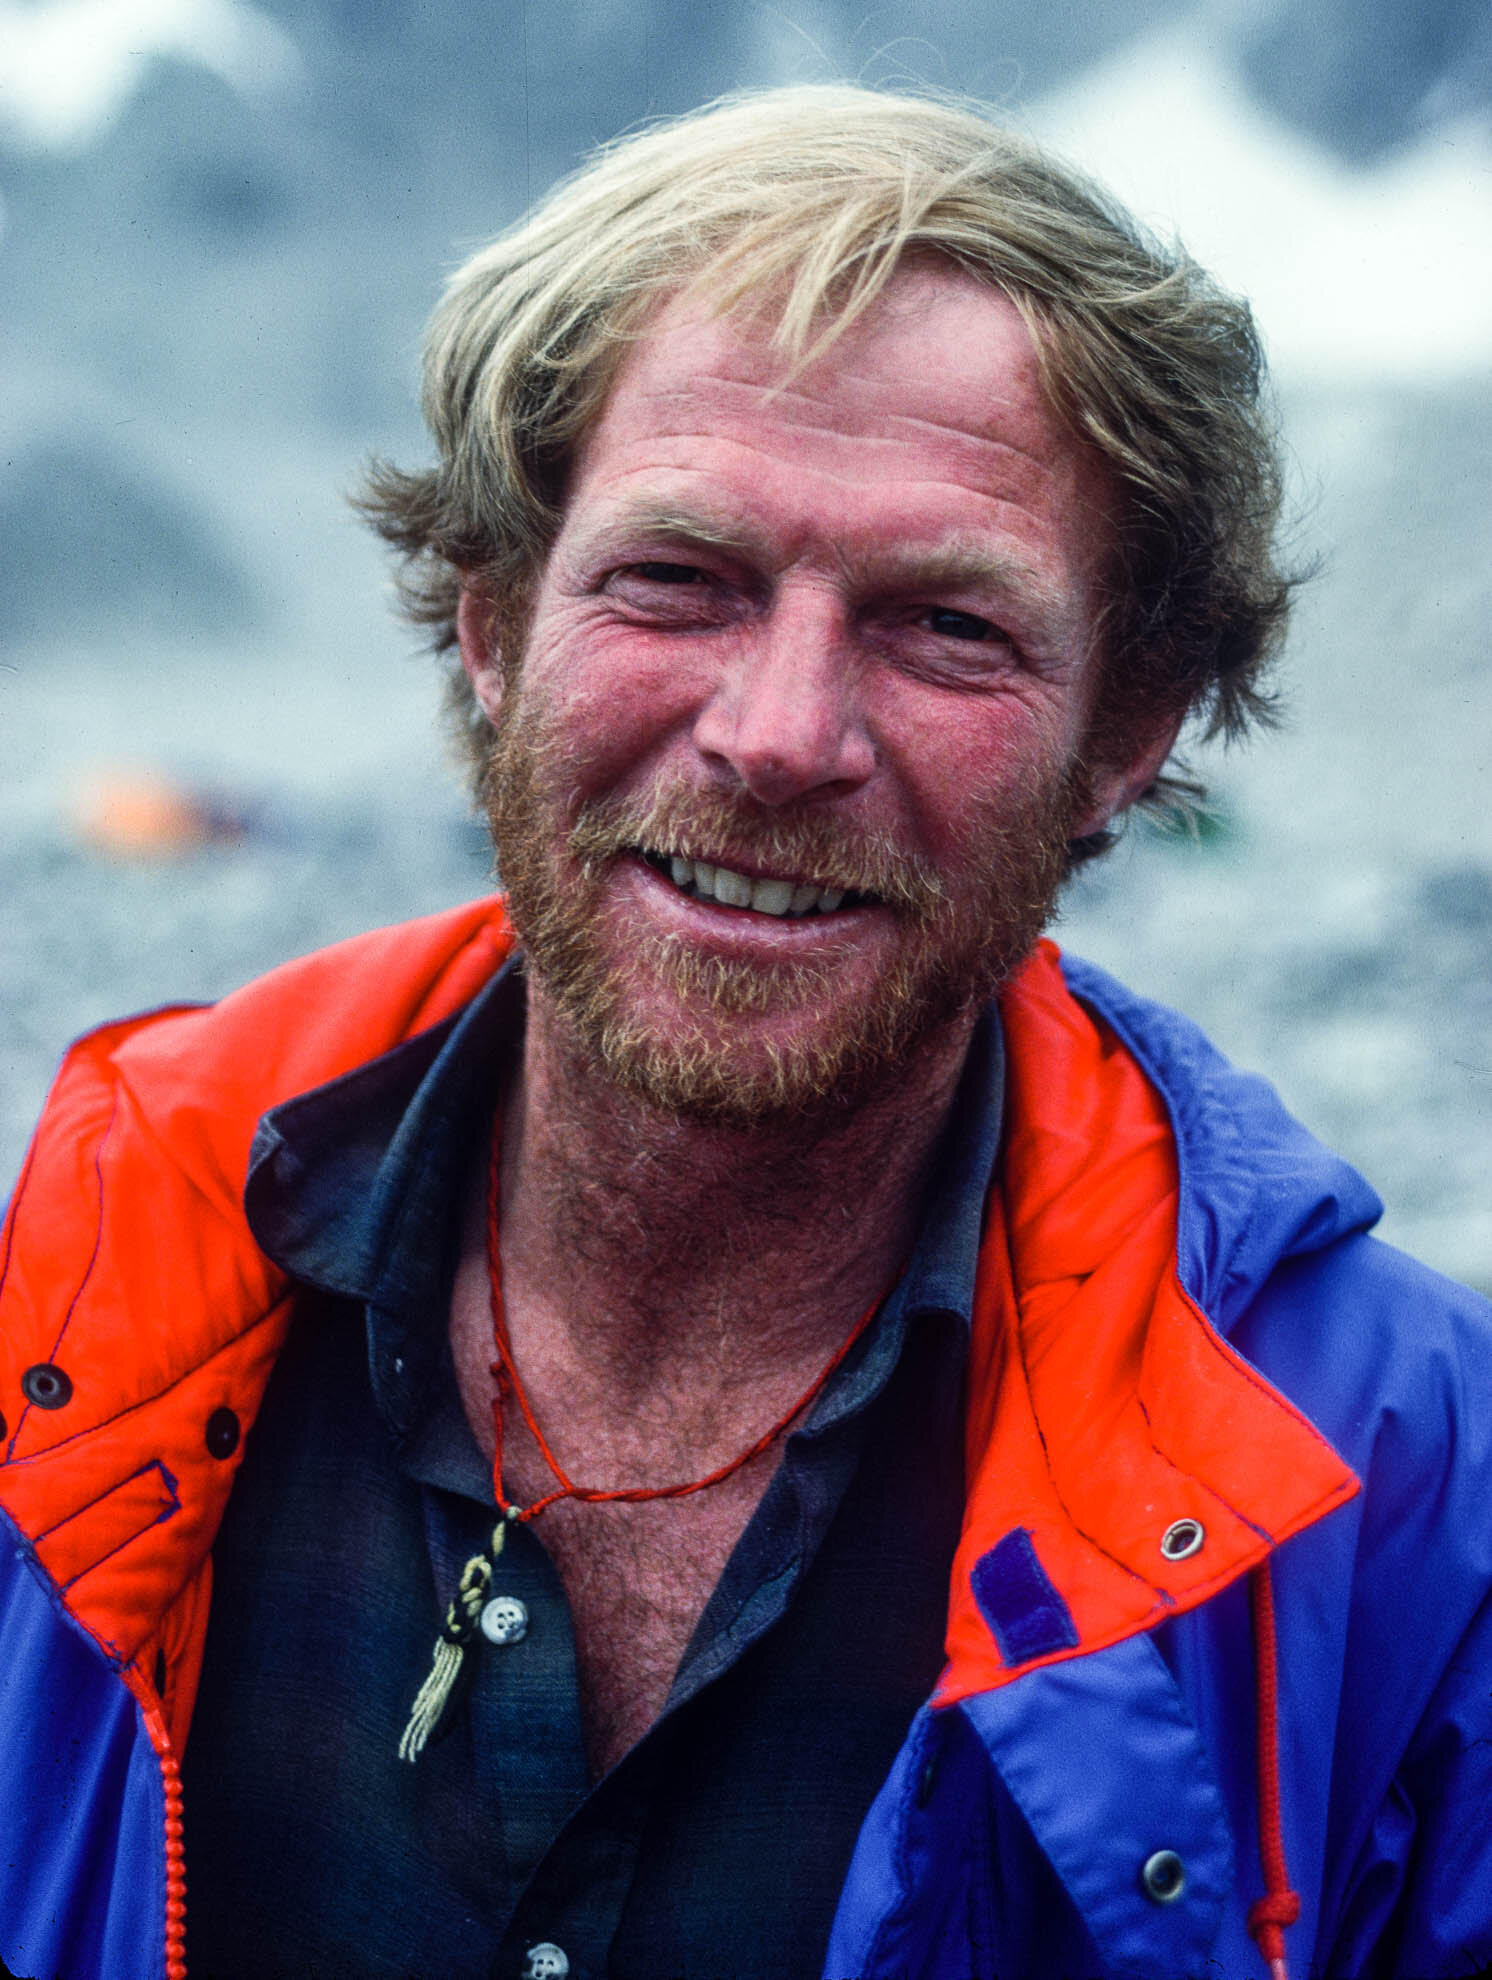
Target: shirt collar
[
  {"x": 939, "y": 1278},
  {"x": 945, "y": 1258}
]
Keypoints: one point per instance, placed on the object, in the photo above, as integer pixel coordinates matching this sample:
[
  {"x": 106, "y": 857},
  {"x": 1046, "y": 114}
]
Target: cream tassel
[{"x": 456, "y": 1632}]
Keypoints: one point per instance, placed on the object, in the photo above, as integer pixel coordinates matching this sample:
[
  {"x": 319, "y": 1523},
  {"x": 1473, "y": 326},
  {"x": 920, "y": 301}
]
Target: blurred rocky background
[{"x": 221, "y": 228}]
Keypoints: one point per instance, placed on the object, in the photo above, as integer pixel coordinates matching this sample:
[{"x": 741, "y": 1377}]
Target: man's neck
[{"x": 664, "y": 1241}]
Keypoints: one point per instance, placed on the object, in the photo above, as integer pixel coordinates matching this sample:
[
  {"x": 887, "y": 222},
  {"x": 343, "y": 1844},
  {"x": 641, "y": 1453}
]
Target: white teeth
[
  {"x": 774, "y": 897},
  {"x": 771, "y": 896}
]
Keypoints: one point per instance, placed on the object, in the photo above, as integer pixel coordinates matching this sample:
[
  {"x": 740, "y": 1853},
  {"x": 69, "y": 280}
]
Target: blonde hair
[{"x": 799, "y": 204}]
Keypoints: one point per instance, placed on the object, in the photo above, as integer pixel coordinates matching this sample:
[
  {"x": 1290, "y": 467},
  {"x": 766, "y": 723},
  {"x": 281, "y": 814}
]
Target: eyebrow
[
  {"x": 645, "y": 517},
  {"x": 961, "y": 561}
]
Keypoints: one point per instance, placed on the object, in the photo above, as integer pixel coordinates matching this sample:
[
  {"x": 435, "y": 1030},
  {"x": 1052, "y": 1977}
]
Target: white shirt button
[
  {"x": 546, "y": 1961},
  {"x": 505, "y": 1620}
]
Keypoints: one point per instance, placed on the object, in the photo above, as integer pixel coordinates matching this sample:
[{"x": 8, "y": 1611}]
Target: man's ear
[
  {"x": 1113, "y": 787},
  {"x": 476, "y": 636}
]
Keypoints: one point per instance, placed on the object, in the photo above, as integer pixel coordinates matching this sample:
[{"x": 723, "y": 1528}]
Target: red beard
[{"x": 960, "y": 932}]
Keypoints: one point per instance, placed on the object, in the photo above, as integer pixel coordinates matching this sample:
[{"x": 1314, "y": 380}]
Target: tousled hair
[{"x": 800, "y": 204}]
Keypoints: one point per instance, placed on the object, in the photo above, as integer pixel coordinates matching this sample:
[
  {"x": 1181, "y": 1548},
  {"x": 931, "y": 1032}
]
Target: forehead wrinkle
[
  {"x": 877, "y": 415},
  {"x": 907, "y": 429},
  {"x": 838, "y": 395}
]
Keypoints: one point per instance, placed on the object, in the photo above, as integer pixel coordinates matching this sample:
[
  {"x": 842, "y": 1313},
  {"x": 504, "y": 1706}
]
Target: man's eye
[
  {"x": 948, "y": 624},
  {"x": 668, "y": 573}
]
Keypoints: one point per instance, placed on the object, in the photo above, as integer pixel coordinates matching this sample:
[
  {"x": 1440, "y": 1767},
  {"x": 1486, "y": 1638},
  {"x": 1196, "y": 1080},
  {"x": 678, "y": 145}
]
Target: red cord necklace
[
  {"x": 507, "y": 1382},
  {"x": 431, "y": 1710}
]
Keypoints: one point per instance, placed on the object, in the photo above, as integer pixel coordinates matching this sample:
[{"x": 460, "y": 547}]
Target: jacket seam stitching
[
  {"x": 1211, "y": 1490},
  {"x": 66, "y": 1587},
  {"x": 158, "y": 1395},
  {"x": 899, "y": 1850},
  {"x": 1160, "y": 1601},
  {"x": 98, "y": 1238},
  {"x": 150, "y": 1464},
  {"x": 15, "y": 1204},
  {"x": 98, "y": 1229},
  {"x": 1231, "y": 1359},
  {"x": 1201, "y": 1108},
  {"x": 58, "y": 1604}
]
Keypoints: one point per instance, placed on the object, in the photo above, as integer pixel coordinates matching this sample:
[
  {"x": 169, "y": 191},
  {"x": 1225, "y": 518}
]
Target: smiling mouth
[{"x": 701, "y": 881}]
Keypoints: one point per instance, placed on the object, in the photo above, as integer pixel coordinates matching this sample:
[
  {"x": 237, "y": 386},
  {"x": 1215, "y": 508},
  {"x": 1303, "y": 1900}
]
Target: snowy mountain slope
[{"x": 1381, "y": 272}]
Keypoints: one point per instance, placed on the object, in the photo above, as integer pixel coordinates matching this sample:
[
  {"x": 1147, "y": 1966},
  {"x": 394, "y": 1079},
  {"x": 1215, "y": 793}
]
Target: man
[{"x": 778, "y": 1427}]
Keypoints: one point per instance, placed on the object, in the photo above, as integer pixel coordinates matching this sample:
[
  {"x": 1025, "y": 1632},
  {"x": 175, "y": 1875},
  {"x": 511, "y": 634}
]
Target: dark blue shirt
[{"x": 715, "y": 1849}]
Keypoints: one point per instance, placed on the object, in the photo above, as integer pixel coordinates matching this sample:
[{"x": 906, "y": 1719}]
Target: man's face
[{"x": 784, "y": 777}]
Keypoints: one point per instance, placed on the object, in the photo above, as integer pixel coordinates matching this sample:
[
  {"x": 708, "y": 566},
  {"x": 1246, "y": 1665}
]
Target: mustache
[{"x": 696, "y": 822}]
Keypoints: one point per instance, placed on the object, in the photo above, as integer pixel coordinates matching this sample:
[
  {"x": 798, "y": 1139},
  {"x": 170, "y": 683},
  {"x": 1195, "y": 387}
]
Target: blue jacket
[
  {"x": 1013, "y": 1835},
  {"x": 1190, "y": 1335}
]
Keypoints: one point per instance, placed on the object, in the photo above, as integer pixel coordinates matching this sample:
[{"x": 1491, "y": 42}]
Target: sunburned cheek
[
  {"x": 962, "y": 784},
  {"x": 588, "y": 729},
  {"x": 612, "y": 672}
]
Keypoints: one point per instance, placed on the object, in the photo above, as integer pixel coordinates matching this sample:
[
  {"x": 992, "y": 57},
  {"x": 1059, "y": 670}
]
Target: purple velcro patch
[{"x": 1027, "y": 1615}]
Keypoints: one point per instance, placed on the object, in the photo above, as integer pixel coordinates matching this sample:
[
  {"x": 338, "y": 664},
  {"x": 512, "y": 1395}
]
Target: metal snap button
[
  {"x": 505, "y": 1620},
  {"x": 222, "y": 1433},
  {"x": 1182, "y": 1538},
  {"x": 47, "y": 1386},
  {"x": 1163, "y": 1876},
  {"x": 546, "y": 1961}
]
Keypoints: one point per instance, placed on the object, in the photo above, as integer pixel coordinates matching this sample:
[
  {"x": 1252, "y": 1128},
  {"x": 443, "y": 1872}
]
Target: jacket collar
[{"x": 1105, "y": 1410}]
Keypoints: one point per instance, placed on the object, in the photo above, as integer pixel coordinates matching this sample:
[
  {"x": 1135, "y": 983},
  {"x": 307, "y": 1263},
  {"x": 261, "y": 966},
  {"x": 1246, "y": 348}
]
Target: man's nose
[{"x": 786, "y": 715}]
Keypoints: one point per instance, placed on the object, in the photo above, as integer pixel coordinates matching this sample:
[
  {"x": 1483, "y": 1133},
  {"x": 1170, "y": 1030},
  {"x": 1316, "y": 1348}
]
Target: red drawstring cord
[{"x": 1279, "y": 1906}]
